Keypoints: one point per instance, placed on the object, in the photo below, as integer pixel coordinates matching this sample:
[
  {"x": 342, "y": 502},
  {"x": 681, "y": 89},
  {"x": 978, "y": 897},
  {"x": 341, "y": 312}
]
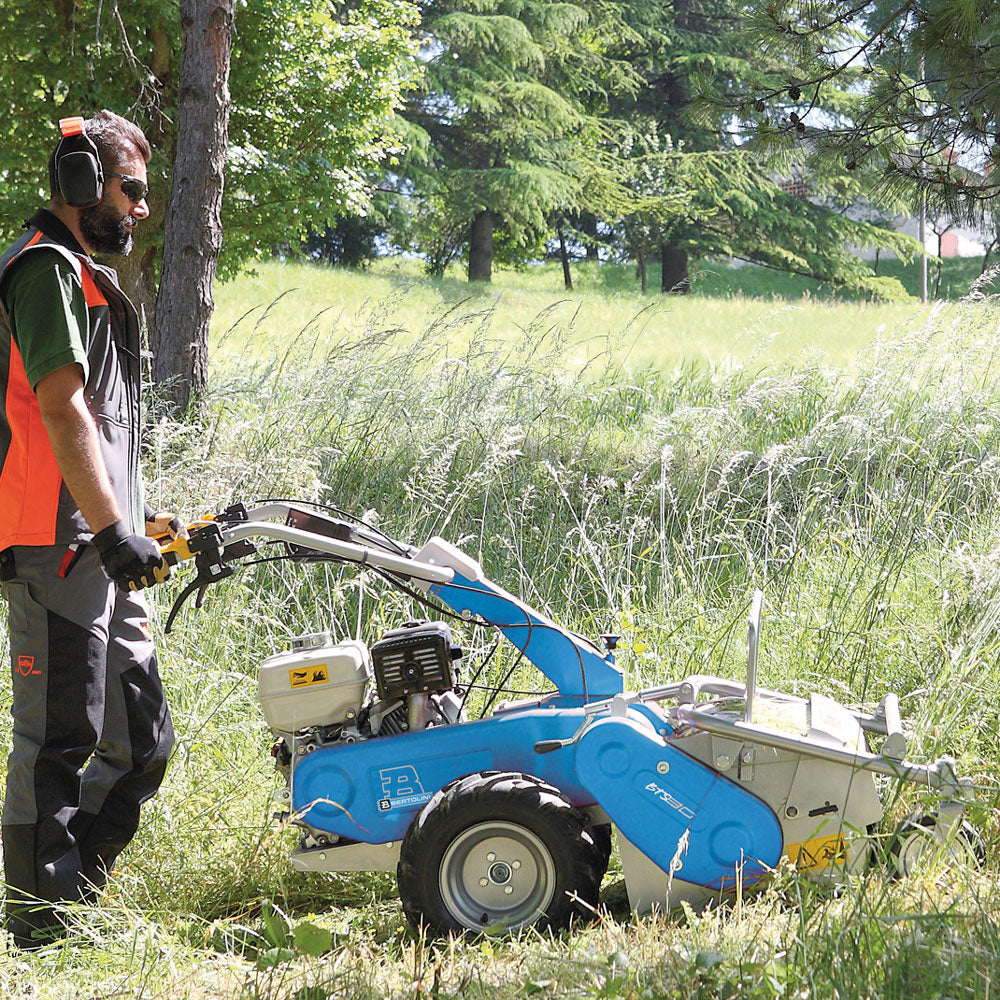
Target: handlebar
[{"x": 214, "y": 542}]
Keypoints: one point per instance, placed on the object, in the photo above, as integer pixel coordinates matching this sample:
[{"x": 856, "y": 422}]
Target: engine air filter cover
[{"x": 414, "y": 659}]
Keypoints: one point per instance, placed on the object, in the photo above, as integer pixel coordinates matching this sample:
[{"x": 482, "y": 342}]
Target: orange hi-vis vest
[{"x": 36, "y": 507}]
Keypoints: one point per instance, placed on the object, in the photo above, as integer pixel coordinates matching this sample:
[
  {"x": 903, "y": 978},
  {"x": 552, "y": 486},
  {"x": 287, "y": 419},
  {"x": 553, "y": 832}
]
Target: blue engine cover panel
[
  {"x": 654, "y": 793},
  {"x": 371, "y": 791}
]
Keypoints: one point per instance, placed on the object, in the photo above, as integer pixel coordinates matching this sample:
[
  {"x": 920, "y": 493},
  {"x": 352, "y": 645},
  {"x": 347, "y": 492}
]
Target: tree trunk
[
  {"x": 588, "y": 223},
  {"x": 640, "y": 270},
  {"x": 193, "y": 232},
  {"x": 564, "y": 256},
  {"x": 940, "y": 262},
  {"x": 674, "y": 275},
  {"x": 481, "y": 247},
  {"x": 137, "y": 272}
]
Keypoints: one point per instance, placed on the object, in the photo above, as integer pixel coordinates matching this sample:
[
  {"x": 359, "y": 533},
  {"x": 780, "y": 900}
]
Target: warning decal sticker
[
  {"x": 821, "y": 852},
  {"x": 307, "y": 676}
]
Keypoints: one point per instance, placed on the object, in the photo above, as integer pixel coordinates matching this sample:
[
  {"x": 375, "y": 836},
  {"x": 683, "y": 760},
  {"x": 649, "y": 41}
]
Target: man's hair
[{"x": 117, "y": 140}]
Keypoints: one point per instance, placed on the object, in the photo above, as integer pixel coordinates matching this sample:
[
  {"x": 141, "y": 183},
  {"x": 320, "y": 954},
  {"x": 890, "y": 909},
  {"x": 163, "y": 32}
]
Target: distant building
[{"x": 957, "y": 240}]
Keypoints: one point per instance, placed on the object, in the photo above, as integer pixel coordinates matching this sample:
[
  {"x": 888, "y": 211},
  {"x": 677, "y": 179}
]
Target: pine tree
[
  {"x": 915, "y": 86},
  {"x": 501, "y": 133},
  {"x": 672, "y": 43},
  {"x": 696, "y": 63}
]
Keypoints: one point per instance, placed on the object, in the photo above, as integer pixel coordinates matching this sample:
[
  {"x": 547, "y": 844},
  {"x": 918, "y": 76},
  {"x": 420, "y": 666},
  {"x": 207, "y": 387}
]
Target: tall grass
[{"x": 638, "y": 500}]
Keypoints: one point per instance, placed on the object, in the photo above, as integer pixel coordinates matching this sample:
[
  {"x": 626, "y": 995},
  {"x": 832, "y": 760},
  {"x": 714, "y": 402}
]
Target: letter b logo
[{"x": 398, "y": 782}]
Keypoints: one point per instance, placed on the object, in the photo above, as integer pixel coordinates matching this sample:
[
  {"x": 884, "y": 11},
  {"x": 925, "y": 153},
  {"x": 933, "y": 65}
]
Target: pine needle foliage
[
  {"x": 502, "y": 117},
  {"x": 688, "y": 53},
  {"x": 904, "y": 90}
]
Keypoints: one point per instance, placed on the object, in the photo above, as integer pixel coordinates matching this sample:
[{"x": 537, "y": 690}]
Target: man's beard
[{"x": 107, "y": 231}]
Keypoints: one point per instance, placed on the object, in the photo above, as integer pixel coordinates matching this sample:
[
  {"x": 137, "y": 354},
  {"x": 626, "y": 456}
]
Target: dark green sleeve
[{"x": 48, "y": 313}]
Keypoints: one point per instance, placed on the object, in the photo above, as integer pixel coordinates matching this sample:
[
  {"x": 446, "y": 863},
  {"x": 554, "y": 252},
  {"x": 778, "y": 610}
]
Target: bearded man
[{"x": 91, "y": 727}]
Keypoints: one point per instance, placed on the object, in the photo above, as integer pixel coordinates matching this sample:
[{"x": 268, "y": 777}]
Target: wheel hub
[
  {"x": 500, "y": 873},
  {"x": 497, "y": 873}
]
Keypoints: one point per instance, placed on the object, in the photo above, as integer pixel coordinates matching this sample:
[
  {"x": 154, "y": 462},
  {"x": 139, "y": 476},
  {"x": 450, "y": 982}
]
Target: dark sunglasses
[{"x": 133, "y": 188}]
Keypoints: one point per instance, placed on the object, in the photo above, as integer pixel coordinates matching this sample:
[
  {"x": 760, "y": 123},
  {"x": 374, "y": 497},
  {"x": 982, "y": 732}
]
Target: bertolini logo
[{"x": 401, "y": 787}]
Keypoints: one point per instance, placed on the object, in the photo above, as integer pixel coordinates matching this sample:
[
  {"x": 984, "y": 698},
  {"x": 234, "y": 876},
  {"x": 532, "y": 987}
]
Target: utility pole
[
  {"x": 922, "y": 225},
  {"x": 922, "y": 221}
]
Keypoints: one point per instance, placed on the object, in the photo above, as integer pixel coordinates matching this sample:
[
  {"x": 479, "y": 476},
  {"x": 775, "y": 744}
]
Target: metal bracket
[
  {"x": 747, "y": 760},
  {"x": 894, "y": 744}
]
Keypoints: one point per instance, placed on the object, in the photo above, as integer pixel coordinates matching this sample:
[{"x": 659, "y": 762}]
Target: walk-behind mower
[{"x": 506, "y": 821}]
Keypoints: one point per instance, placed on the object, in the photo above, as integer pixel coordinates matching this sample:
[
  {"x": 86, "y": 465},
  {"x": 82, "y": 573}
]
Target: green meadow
[
  {"x": 718, "y": 324},
  {"x": 630, "y": 464}
]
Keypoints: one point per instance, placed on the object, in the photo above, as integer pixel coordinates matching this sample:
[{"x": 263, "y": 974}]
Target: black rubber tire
[
  {"x": 915, "y": 835},
  {"x": 602, "y": 837},
  {"x": 557, "y": 883}
]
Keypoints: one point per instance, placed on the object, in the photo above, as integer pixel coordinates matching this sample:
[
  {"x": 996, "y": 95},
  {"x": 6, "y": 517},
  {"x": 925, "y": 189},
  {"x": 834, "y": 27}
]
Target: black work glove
[{"x": 131, "y": 560}]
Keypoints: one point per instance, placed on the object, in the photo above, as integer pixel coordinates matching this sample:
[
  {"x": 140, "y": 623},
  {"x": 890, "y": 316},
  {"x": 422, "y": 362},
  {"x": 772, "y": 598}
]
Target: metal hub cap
[
  {"x": 497, "y": 874},
  {"x": 500, "y": 873}
]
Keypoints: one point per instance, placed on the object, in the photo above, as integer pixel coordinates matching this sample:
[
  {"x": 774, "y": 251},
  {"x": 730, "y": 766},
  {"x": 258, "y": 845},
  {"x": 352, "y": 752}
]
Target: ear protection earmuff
[{"x": 79, "y": 175}]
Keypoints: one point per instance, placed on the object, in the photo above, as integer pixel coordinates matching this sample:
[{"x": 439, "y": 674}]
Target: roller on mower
[{"x": 506, "y": 822}]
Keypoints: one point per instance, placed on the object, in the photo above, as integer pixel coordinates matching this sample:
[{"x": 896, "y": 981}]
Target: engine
[{"x": 320, "y": 692}]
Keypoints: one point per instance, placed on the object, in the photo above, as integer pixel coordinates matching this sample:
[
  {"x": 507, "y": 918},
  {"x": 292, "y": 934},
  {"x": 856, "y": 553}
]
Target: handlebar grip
[
  {"x": 176, "y": 550},
  {"x": 547, "y": 746}
]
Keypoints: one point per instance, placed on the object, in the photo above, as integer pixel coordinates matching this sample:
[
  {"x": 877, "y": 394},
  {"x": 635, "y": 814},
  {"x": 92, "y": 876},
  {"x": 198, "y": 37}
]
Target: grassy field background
[
  {"x": 630, "y": 464},
  {"x": 719, "y": 325}
]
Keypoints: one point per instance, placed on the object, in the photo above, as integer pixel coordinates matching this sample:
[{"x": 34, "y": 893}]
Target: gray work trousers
[{"x": 91, "y": 734}]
